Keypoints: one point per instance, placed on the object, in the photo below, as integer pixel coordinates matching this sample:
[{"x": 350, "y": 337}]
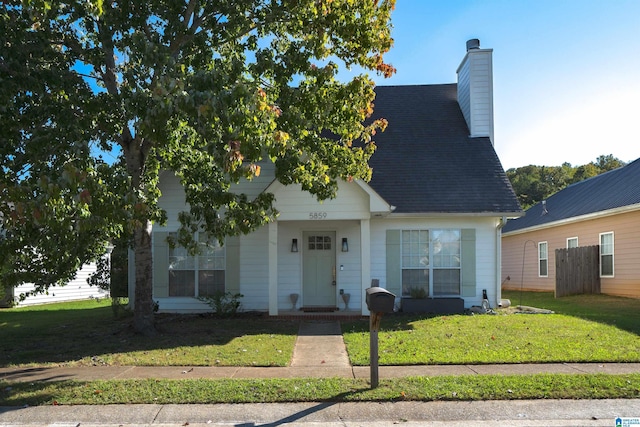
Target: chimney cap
[{"x": 473, "y": 44}]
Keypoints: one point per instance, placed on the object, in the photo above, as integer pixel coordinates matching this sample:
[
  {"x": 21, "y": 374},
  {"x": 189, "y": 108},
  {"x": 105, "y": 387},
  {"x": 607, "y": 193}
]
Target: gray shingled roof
[
  {"x": 614, "y": 189},
  {"x": 427, "y": 163}
]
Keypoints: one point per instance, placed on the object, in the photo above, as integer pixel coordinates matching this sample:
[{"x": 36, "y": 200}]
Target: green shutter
[
  {"x": 160, "y": 265},
  {"x": 468, "y": 253},
  {"x": 232, "y": 268},
  {"x": 394, "y": 265}
]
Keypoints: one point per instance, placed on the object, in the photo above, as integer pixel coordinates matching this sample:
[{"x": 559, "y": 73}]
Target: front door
[{"x": 319, "y": 268}]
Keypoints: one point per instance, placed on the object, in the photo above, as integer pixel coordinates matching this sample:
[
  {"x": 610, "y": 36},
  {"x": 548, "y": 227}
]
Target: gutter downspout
[{"x": 501, "y": 223}]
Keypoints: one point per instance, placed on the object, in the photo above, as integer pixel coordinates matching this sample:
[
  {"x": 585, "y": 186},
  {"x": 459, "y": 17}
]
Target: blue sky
[{"x": 566, "y": 72}]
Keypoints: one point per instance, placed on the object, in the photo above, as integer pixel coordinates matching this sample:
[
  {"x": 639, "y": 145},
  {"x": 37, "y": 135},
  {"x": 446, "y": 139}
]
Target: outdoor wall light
[
  {"x": 345, "y": 245},
  {"x": 294, "y": 245}
]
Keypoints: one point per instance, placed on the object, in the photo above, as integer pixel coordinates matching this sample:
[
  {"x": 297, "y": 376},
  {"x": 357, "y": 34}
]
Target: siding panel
[
  {"x": 626, "y": 229},
  {"x": 76, "y": 289}
]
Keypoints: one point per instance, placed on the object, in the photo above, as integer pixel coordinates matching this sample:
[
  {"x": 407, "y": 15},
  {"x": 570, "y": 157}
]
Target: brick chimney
[{"x": 475, "y": 90}]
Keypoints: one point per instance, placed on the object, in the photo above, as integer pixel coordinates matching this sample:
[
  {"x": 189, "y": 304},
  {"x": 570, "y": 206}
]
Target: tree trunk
[{"x": 143, "y": 314}]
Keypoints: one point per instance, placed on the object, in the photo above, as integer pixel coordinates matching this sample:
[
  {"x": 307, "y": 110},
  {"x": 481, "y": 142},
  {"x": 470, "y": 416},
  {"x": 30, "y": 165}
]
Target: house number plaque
[{"x": 317, "y": 215}]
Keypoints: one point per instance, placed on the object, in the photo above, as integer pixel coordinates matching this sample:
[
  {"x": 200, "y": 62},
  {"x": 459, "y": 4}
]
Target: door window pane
[{"x": 319, "y": 243}]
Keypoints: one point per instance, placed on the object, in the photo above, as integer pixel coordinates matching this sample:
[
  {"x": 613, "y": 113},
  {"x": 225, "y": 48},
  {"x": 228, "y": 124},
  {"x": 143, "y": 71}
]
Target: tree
[
  {"x": 205, "y": 89},
  {"x": 533, "y": 184}
]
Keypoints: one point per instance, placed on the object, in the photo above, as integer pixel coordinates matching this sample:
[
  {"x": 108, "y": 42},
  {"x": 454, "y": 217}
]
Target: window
[
  {"x": 431, "y": 262},
  {"x": 197, "y": 275},
  {"x": 606, "y": 254},
  {"x": 572, "y": 242},
  {"x": 543, "y": 260},
  {"x": 319, "y": 243},
  {"x": 415, "y": 262}
]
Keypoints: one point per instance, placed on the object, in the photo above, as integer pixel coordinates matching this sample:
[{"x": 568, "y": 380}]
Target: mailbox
[{"x": 380, "y": 300}]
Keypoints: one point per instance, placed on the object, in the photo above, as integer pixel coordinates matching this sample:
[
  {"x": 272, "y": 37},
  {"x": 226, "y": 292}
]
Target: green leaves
[{"x": 208, "y": 90}]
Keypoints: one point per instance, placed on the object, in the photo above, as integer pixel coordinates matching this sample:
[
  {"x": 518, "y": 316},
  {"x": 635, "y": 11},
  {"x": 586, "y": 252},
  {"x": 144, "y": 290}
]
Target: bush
[
  {"x": 418, "y": 293},
  {"x": 223, "y": 303}
]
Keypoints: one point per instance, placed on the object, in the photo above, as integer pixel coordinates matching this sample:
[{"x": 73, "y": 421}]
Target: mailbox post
[{"x": 379, "y": 301}]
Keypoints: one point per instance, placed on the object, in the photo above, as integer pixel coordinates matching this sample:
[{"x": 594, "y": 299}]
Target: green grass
[
  {"x": 408, "y": 340},
  {"x": 622, "y": 313},
  {"x": 585, "y": 328},
  {"x": 463, "y": 388},
  {"x": 86, "y": 333},
  {"x": 589, "y": 328}
]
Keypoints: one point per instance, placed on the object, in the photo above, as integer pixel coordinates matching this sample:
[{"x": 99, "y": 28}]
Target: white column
[
  {"x": 365, "y": 261},
  {"x": 273, "y": 268}
]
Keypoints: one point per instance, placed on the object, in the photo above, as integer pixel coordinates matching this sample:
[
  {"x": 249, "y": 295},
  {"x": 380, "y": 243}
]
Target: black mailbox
[{"x": 380, "y": 300}]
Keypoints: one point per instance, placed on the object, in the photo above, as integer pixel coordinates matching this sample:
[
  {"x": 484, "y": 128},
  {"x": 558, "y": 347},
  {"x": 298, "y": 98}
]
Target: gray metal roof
[
  {"x": 427, "y": 163},
  {"x": 614, "y": 189}
]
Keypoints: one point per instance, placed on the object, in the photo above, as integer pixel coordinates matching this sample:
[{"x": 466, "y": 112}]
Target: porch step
[{"x": 319, "y": 309}]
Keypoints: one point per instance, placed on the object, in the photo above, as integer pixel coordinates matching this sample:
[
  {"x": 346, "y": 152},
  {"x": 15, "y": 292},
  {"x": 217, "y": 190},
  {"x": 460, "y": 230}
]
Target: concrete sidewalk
[
  {"x": 522, "y": 413},
  {"x": 89, "y": 373}
]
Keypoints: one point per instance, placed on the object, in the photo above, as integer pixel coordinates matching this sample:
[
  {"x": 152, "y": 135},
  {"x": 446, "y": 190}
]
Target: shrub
[
  {"x": 223, "y": 303},
  {"x": 418, "y": 293}
]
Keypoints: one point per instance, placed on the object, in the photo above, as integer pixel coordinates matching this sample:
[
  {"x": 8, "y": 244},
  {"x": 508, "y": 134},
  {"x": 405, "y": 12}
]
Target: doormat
[{"x": 319, "y": 309}]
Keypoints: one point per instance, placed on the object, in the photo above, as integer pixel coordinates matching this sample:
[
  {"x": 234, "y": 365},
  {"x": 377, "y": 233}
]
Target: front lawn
[
  {"x": 86, "y": 333},
  {"x": 594, "y": 328},
  {"x": 586, "y": 328}
]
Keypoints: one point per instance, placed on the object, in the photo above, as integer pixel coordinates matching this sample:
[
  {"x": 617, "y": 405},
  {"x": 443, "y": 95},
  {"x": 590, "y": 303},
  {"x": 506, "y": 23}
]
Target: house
[
  {"x": 430, "y": 218},
  {"x": 601, "y": 211},
  {"x": 76, "y": 289}
]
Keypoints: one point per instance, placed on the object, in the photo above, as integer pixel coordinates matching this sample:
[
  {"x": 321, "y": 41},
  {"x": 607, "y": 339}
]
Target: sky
[{"x": 566, "y": 73}]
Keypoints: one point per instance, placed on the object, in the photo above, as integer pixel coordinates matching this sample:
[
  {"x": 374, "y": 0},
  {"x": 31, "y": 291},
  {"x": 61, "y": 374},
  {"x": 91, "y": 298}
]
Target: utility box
[{"x": 380, "y": 300}]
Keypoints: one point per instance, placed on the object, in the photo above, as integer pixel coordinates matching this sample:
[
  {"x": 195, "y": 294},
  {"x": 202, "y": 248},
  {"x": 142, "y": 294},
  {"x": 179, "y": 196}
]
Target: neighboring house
[
  {"x": 431, "y": 217},
  {"x": 76, "y": 289},
  {"x": 603, "y": 210}
]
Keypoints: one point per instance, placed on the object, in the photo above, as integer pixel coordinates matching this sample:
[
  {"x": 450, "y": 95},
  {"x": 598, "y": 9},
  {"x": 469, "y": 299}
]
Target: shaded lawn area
[
  {"x": 593, "y": 328},
  {"x": 86, "y": 333}
]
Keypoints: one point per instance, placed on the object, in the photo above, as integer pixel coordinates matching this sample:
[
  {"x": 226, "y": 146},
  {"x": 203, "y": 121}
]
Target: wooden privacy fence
[{"x": 578, "y": 271}]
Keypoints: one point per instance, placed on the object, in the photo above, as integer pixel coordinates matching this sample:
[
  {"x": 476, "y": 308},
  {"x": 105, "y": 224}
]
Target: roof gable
[
  {"x": 611, "y": 190},
  {"x": 426, "y": 162}
]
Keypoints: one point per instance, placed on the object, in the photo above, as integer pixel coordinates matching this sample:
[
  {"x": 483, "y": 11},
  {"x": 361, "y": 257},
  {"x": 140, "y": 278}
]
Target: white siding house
[
  {"x": 76, "y": 289},
  {"x": 430, "y": 218}
]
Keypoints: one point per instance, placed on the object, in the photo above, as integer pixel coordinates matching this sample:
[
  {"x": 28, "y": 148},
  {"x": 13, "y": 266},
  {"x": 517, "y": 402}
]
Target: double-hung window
[
  {"x": 431, "y": 262},
  {"x": 202, "y": 274},
  {"x": 543, "y": 260},
  {"x": 606, "y": 254},
  {"x": 572, "y": 242},
  {"x": 415, "y": 262}
]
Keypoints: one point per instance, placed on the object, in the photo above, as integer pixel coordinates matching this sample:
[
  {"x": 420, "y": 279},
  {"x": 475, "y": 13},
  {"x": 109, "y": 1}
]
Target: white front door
[{"x": 319, "y": 268}]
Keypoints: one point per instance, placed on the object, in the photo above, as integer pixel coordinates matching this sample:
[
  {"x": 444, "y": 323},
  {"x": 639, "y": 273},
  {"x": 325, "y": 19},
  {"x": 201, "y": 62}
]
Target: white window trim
[
  {"x": 613, "y": 254},
  {"x": 573, "y": 238},
  {"x": 545, "y": 259}
]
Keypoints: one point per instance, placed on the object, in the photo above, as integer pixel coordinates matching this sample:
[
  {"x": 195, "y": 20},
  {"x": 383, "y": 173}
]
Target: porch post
[
  {"x": 273, "y": 268},
  {"x": 365, "y": 261}
]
